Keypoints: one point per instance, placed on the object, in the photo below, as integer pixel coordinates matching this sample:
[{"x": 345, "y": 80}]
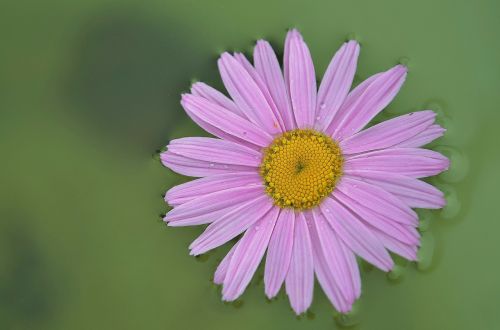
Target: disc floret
[{"x": 300, "y": 168}]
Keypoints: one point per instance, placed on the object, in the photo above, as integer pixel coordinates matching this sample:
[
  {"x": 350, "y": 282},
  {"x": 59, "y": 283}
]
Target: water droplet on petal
[
  {"x": 212, "y": 164},
  {"x": 322, "y": 106}
]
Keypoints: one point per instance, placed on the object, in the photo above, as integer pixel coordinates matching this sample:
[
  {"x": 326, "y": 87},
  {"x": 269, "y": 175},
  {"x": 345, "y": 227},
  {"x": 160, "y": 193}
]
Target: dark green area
[{"x": 90, "y": 89}]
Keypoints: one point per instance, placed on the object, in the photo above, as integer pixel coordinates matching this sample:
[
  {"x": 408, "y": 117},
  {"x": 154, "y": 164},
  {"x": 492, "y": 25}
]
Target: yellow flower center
[{"x": 300, "y": 168}]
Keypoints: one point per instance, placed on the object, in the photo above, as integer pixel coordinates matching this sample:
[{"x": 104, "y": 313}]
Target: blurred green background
[{"x": 90, "y": 89}]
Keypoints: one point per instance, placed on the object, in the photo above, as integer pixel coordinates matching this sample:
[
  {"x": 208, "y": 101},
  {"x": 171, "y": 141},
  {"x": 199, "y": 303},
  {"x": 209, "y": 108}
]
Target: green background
[{"x": 90, "y": 89}]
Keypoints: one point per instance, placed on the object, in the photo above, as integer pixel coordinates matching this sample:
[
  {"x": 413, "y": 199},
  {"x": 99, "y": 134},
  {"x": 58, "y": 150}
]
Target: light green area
[{"x": 88, "y": 91}]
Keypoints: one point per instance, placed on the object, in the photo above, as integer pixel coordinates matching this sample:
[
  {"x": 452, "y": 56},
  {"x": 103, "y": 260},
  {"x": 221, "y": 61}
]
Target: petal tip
[
  {"x": 294, "y": 33},
  {"x": 197, "y": 85},
  {"x": 390, "y": 266},
  {"x": 298, "y": 310},
  {"x": 441, "y": 202},
  {"x": 270, "y": 294},
  {"x": 164, "y": 158},
  {"x": 413, "y": 256},
  {"x": 262, "y": 43},
  {"x": 352, "y": 43},
  {"x": 229, "y": 294},
  {"x": 224, "y": 57},
  {"x": 401, "y": 69},
  {"x": 185, "y": 97}
]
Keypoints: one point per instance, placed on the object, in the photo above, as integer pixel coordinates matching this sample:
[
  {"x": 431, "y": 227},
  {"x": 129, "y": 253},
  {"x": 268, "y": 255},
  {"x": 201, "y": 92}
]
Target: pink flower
[{"x": 293, "y": 170}]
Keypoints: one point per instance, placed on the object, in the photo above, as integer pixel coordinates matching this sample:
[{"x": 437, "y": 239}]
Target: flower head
[{"x": 293, "y": 169}]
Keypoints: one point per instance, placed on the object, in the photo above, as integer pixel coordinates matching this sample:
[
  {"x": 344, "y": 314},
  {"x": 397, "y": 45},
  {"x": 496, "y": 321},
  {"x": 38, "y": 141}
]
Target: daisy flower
[{"x": 293, "y": 170}]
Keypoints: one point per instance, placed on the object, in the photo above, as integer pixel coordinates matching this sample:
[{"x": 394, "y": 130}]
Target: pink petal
[
  {"x": 378, "y": 200},
  {"x": 214, "y": 96},
  {"x": 356, "y": 235},
  {"x": 404, "y": 233},
  {"x": 350, "y": 100},
  {"x": 389, "y": 133},
  {"x": 262, "y": 86},
  {"x": 300, "y": 79},
  {"x": 221, "y": 271},
  {"x": 200, "y": 187},
  {"x": 346, "y": 285},
  {"x": 246, "y": 94},
  {"x": 413, "y": 192},
  {"x": 352, "y": 264},
  {"x": 336, "y": 83},
  {"x": 300, "y": 278},
  {"x": 279, "y": 253},
  {"x": 215, "y": 150},
  {"x": 408, "y": 251},
  {"x": 233, "y": 223},
  {"x": 248, "y": 255},
  {"x": 206, "y": 208},
  {"x": 192, "y": 106},
  {"x": 355, "y": 114},
  {"x": 227, "y": 124},
  {"x": 268, "y": 67},
  {"x": 412, "y": 162},
  {"x": 198, "y": 168},
  {"x": 326, "y": 278},
  {"x": 202, "y": 219},
  {"x": 428, "y": 135}
]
